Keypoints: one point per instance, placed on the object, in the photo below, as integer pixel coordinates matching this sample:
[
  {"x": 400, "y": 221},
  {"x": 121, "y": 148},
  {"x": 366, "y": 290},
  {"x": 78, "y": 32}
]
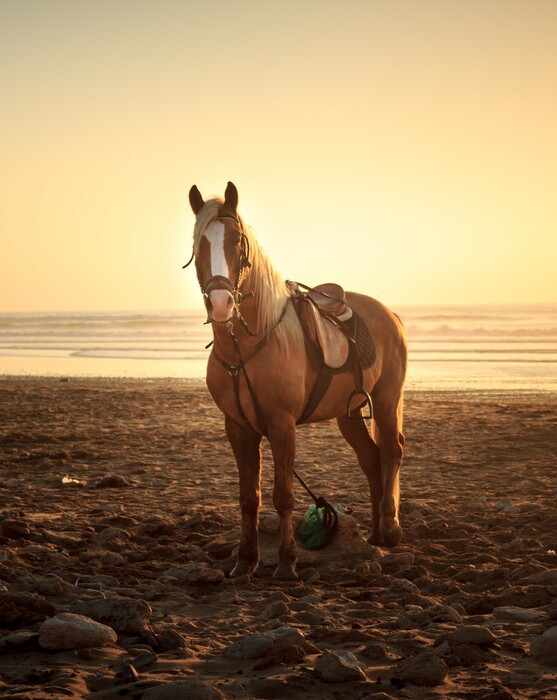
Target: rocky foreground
[{"x": 119, "y": 524}]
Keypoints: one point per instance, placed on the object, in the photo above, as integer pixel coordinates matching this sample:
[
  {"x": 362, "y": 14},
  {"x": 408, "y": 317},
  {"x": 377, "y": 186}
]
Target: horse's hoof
[
  {"x": 285, "y": 571},
  {"x": 376, "y": 538},
  {"x": 241, "y": 569},
  {"x": 393, "y": 535}
]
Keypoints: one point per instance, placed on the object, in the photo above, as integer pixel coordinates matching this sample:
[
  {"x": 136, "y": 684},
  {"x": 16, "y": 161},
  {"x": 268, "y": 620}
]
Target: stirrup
[{"x": 367, "y": 402}]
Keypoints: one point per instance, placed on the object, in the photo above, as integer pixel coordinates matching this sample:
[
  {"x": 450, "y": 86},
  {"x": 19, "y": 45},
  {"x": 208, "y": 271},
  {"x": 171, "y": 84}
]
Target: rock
[
  {"x": 545, "y": 578},
  {"x": 309, "y": 575},
  {"x": 511, "y": 612},
  {"x": 375, "y": 651},
  {"x": 398, "y": 560},
  {"x": 269, "y": 523},
  {"x": 258, "y": 645},
  {"x": 122, "y": 614},
  {"x": 552, "y": 610},
  {"x": 505, "y": 505},
  {"x": 253, "y": 647},
  {"x": 288, "y": 636},
  {"x": 425, "y": 669},
  {"x": 17, "y": 640},
  {"x": 112, "y": 481},
  {"x": 143, "y": 661},
  {"x": 474, "y": 504},
  {"x": 282, "y": 655},
  {"x": 276, "y": 609},
  {"x": 69, "y": 631},
  {"x": 197, "y": 574},
  {"x": 127, "y": 673},
  {"x": 433, "y": 613},
  {"x": 544, "y": 647},
  {"x": 183, "y": 690},
  {"x": 13, "y": 529},
  {"x": 22, "y": 609},
  {"x": 472, "y": 634},
  {"x": 50, "y": 586},
  {"x": 374, "y": 553},
  {"x": 338, "y": 666},
  {"x": 170, "y": 639},
  {"x": 63, "y": 540}
]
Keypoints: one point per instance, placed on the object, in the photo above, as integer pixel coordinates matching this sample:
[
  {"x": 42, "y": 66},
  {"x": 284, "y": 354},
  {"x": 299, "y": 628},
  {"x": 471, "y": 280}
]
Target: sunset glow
[{"x": 405, "y": 150}]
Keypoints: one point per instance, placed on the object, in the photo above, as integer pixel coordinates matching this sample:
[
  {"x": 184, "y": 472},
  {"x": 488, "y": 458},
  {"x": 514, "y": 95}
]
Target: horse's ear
[
  {"x": 196, "y": 200},
  {"x": 231, "y": 196}
]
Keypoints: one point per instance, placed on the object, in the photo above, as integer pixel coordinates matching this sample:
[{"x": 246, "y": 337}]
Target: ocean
[{"x": 464, "y": 348}]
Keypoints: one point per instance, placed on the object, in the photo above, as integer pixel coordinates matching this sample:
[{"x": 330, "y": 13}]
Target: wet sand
[{"x": 126, "y": 490}]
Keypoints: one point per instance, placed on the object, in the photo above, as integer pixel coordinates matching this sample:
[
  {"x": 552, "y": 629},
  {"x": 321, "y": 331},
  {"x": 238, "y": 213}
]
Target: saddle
[
  {"x": 337, "y": 340},
  {"x": 326, "y": 304}
]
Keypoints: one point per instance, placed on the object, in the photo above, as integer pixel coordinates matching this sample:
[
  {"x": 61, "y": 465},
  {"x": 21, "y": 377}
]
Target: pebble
[
  {"x": 424, "y": 669},
  {"x": 544, "y": 647},
  {"x": 70, "y": 631},
  {"x": 183, "y": 690},
  {"x": 339, "y": 666},
  {"x": 511, "y": 612}
]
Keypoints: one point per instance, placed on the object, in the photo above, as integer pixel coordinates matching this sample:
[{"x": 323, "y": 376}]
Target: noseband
[{"x": 220, "y": 282}]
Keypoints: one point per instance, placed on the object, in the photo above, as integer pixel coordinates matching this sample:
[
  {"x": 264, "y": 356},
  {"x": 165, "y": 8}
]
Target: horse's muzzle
[{"x": 219, "y": 299}]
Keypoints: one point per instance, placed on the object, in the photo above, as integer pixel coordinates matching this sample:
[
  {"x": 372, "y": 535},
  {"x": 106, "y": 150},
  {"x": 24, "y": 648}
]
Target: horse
[{"x": 260, "y": 377}]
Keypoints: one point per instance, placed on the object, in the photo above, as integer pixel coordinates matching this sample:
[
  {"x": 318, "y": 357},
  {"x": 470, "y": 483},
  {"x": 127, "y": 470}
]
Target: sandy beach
[{"x": 118, "y": 502}]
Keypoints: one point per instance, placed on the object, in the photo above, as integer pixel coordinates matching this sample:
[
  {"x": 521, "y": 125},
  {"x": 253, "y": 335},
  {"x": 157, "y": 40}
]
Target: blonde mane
[{"x": 270, "y": 292}]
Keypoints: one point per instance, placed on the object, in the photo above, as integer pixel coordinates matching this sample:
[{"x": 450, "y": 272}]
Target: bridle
[{"x": 221, "y": 282}]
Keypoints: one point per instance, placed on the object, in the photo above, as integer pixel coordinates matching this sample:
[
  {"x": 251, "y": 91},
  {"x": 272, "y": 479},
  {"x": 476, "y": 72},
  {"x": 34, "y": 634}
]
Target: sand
[{"x": 126, "y": 491}]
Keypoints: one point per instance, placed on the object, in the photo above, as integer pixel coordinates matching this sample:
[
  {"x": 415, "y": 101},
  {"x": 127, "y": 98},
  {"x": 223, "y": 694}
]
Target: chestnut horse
[{"x": 260, "y": 377}]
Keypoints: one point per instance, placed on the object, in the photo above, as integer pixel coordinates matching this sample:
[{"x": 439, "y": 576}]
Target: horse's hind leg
[
  {"x": 246, "y": 445},
  {"x": 357, "y": 436},
  {"x": 390, "y": 440}
]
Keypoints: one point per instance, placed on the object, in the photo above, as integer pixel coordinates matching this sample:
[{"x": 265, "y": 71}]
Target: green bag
[{"x": 319, "y": 527}]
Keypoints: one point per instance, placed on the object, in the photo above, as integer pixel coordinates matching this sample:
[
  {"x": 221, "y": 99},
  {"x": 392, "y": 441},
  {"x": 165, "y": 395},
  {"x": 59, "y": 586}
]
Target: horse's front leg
[
  {"x": 246, "y": 444},
  {"x": 282, "y": 436}
]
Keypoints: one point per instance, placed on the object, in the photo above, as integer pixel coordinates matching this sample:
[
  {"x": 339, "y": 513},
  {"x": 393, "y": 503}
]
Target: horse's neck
[{"x": 250, "y": 313}]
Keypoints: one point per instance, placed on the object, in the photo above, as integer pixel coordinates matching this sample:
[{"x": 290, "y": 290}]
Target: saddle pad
[{"x": 363, "y": 338}]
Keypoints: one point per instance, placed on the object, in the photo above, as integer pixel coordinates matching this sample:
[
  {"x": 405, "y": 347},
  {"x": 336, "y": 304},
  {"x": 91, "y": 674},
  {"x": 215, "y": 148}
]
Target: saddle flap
[
  {"x": 329, "y": 297},
  {"x": 333, "y": 342}
]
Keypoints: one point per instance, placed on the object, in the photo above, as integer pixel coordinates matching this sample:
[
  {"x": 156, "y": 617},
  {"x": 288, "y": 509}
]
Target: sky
[{"x": 405, "y": 149}]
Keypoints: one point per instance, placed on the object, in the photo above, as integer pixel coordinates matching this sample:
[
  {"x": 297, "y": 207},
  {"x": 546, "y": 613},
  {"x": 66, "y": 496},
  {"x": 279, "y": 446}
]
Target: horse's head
[{"x": 220, "y": 251}]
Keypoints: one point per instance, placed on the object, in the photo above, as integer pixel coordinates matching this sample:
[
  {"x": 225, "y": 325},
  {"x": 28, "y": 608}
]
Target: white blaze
[{"x": 214, "y": 233}]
